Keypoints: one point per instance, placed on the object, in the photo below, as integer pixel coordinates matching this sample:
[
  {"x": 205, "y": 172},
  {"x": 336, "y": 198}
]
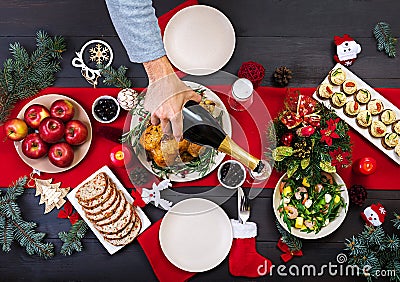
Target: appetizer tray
[
  {"x": 71, "y": 197},
  {"x": 352, "y": 120}
]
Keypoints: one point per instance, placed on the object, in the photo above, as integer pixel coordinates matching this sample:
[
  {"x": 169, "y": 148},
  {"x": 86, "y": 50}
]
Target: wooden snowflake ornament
[{"x": 50, "y": 194}]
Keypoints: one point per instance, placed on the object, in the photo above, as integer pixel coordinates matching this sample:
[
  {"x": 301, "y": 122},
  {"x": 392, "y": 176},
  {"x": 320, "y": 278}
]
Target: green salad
[{"x": 310, "y": 207}]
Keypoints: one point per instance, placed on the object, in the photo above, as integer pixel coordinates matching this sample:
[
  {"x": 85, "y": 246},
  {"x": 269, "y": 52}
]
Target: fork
[{"x": 244, "y": 206}]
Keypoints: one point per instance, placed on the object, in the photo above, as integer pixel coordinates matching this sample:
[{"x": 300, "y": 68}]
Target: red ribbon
[
  {"x": 288, "y": 254},
  {"x": 67, "y": 212}
]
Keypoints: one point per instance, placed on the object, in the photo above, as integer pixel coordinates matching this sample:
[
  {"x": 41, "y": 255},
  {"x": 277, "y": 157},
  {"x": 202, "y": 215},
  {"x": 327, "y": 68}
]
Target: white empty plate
[
  {"x": 199, "y": 40},
  {"x": 196, "y": 235}
]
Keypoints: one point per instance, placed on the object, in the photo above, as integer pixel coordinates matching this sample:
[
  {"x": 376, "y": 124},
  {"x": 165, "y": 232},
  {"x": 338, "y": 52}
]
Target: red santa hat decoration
[
  {"x": 374, "y": 214},
  {"x": 346, "y": 49}
]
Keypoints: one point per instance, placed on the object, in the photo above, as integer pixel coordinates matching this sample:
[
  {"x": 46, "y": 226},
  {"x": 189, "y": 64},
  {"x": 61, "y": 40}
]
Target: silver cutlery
[{"x": 243, "y": 206}]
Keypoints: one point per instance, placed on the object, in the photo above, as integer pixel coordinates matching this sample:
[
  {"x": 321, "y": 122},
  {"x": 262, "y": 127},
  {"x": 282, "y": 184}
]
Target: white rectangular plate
[
  {"x": 71, "y": 197},
  {"x": 352, "y": 120}
]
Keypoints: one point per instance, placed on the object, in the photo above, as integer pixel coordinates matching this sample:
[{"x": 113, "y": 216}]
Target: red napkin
[
  {"x": 163, "y": 269},
  {"x": 164, "y": 19}
]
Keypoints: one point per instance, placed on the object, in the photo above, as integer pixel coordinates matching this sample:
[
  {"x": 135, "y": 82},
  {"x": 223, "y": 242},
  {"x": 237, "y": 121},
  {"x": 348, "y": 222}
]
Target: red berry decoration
[
  {"x": 358, "y": 194},
  {"x": 287, "y": 139},
  {"x": 252, "y": 71}
]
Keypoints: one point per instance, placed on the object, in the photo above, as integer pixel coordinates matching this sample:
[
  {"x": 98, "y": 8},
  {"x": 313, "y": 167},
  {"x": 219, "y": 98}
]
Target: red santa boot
[{"x": 244, "y": 260}]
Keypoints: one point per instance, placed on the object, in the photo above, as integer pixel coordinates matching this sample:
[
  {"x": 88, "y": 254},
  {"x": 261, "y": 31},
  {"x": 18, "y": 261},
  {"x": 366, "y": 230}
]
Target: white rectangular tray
[
  {"x": 71, "y": 197},
  {"x": 352, "y": 120}
]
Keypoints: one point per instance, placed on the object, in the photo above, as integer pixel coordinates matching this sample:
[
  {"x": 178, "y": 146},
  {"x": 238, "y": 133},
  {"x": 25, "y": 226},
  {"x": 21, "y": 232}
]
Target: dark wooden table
[{"x": 297, "y": 34}]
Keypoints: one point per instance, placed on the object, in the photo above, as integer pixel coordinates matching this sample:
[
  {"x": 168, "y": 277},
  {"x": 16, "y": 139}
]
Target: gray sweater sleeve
[{"x": 137, "y": 27}]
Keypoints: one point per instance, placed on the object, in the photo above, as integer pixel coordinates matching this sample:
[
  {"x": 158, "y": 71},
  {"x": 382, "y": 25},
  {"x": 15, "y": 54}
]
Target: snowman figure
[
  {"x": 374, "y": 214},
  {"x": 347, "y": 50}
]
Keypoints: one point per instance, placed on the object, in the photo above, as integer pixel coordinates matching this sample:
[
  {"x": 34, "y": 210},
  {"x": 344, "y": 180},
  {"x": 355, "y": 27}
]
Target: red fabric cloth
[
  {"x": 244, "y": 260},
  {"x": 12, "y": 167},
  {"x": 163, "y": 269}
]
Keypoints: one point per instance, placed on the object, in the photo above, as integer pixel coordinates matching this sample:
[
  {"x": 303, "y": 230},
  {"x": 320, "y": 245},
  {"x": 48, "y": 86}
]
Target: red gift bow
[
  {"x": 67, "y": 213},
  {"x": 288, "y": 254},
  {"x": 137, "y": 196}
]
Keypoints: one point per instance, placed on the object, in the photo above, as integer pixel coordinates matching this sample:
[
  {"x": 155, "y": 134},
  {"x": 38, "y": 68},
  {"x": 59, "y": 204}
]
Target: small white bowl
[
  {"x": 241, "y": 167},
  {"x": 110, "y": 98}
]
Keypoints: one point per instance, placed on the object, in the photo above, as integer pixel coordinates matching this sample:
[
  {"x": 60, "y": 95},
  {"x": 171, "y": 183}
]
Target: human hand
[{"x": 166, "y": 95}]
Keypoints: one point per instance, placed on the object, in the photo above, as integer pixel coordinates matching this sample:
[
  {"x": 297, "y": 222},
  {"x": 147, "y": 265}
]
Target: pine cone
[
  {"x": 358, "y": 195},
  {"x": 127, "y": 98},
  {"x": 138, "y": 176},
  {"x": 282, "y": 76}
]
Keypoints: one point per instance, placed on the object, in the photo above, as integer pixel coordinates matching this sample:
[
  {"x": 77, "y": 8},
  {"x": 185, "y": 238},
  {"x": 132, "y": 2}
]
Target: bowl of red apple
[{"x": 52, "y": 133}]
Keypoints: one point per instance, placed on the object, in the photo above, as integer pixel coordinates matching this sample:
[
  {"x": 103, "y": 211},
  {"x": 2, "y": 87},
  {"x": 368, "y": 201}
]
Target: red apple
[
  {"x": 34, "y": 147},
  {"x": 62, "y": 109},
  {"x": 76, "y": 132},
  {"x": 15, "y": 129},
  {"x": 61, "y": 154},
  {"x": 51, "y": 129},
  {"x": 120, "y": 155},
  {"x": 34, "y": 114}
]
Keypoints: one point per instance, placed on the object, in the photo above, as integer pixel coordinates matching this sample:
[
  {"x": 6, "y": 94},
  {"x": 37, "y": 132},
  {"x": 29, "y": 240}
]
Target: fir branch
[
  {"x": 25, "y": 75},
  {"x": 115, "y": 77},
  {"x": 294, "y": 243},
  {"x": 385, "y": 39},
  {"x": 14, "y": 227},
  {"x": 396, "y": 221},
  {"x": 72, "y": 239}
]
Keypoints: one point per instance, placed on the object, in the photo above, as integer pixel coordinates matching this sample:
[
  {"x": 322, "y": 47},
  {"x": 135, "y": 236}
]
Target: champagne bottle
[{"x": 201, "y": 128}]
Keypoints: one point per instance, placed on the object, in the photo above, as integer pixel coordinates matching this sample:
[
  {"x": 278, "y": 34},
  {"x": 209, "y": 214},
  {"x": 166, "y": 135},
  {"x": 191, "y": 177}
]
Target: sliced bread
[
  {"x": 118, "y": 225},
  {"x": 93, "y": 188}
]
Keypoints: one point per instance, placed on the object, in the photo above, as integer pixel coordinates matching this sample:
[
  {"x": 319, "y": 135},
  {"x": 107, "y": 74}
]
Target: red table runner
[{"x": 12, "y": 167}]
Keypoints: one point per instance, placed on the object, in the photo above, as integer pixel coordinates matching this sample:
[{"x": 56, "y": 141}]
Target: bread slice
[
  {"x": 129, "y": 238},
  {"x": 115, "y": 215},
  {"x": 93, "y": 188},
  {"x": 105, "y": 205},
  {"x": 106, "y": 212},
  {"x": 99, "y": 200},
  {"x": 124, "y": 232},
  {"x": 119, "y": 224}
]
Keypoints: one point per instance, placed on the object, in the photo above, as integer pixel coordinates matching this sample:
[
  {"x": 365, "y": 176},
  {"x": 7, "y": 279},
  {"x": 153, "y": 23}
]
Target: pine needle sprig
[
  {"x": 115, "y": 77},
  {"x": 396, "y": 221},
  {"x": 294, "y": 243},
  {"x": 24, "y": 75},
  {"x": 385, "y": 39},
  {"x": 72, "y": 239},
  {"x": 14, "y": 227}
]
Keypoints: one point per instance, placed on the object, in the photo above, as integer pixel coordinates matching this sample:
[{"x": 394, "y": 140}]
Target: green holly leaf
[
  {"x": 292, "y": 168},
  {"x": 304, "y": 163},
  {"x": 281, "y": 152},
  {"x": 327, "y": 167}
]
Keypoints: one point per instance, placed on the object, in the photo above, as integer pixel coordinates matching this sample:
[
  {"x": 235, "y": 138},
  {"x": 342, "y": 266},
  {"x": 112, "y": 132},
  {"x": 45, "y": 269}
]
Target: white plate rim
[
  {"x": 54, "y": 169},
  {"x": 227, "y": 125},
  {"x": 170, "y": 26},
  {"x": 325, "y": 231},
  {"x": 228, "y": 236},
  {"x": 71, "y": 197}
]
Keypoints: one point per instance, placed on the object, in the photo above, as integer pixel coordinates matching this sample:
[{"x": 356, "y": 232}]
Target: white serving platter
[
  {"x": 71, "y": 197},
  {"x": 352, "y": 120}
]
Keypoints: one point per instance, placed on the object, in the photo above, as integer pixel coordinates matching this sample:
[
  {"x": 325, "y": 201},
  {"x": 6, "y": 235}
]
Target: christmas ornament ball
[
  {"x": 287, "y": 139},
  {"x": 127, "y": 98}
]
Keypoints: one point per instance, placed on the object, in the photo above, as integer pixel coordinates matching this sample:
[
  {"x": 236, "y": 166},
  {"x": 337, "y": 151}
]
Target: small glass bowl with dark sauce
[
  {"x": 231, "y": 174},
  {"x": 105, "y": 109}
]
